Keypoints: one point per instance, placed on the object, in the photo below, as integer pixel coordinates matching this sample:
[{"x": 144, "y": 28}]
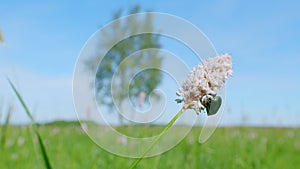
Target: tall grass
[
  {"x": 135, "y": 163},
  {"x": 1, "y": 105},
  {"x": 5, "y": 126},
  {"x": 228, "y": 148},
  {"x": 34, "y": 127}
]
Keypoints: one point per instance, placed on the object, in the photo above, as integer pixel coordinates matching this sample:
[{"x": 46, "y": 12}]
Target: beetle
[{"x": 213, "y": 105}]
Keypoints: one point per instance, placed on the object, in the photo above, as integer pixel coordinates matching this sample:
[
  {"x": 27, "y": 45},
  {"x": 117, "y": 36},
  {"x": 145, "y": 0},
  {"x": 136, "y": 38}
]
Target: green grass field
[{"x": 229, "y": 148}]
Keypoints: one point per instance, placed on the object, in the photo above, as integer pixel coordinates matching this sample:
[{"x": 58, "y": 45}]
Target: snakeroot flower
[
  {"x": 199, "y": 92},
  {"x": 203, "y": 83}
]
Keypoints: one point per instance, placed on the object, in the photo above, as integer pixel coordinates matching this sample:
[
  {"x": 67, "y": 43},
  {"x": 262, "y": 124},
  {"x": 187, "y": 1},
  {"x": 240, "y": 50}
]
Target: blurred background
[{"x": 43, "y": 40}]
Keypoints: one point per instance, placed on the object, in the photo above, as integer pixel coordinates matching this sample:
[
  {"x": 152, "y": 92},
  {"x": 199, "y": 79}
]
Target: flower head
[{"x": 204, "y": 82}]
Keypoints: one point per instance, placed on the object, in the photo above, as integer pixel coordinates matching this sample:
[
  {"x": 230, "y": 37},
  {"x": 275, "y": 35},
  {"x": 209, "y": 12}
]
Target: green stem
[
  {"x": 34, "y": 125},
  {"x": 157, "y": 138}
]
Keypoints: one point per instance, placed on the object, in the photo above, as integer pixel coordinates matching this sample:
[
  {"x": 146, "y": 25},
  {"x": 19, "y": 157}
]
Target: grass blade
[
  {"x": 5, "y": 126},
  {"x": 44, "y": 152},
  {"x": 35, "y": 129},
  {"x": 22, "y": 102},
  {"x": 1, "y": 38},
  {"x": 133, "y": 165},
  {"x": 1, "y": 105}
]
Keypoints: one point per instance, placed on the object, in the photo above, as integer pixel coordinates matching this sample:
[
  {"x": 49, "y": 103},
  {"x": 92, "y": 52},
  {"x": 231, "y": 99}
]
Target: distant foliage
[{"x": 144, "y": 81}]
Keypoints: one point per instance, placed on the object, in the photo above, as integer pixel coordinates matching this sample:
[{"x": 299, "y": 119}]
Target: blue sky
[{"x": 43, "y": 40}]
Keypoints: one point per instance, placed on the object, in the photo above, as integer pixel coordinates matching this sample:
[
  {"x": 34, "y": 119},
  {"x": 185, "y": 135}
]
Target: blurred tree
[{"x": 145, "y": 81}]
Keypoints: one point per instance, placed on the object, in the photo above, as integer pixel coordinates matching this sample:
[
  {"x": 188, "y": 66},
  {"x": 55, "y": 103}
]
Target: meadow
[{"x": 230, "y": 147}]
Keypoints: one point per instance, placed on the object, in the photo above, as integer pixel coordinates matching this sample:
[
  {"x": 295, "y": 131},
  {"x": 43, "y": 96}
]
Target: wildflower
[
  {"x": 290, "y": 134},
  {"x": 200, "y": 90},
  {"x": 252, "y": 135},
  {"x": 21, "y": 141},
  {"x": 84, "y": 127},
  {"x": 264, "y": 140},
  {"x": 14, "y": 156},
  {"x": 55, "y": 131},
  {"x": 122, "y": 140},
  {"x": 142, "y": 97}
]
